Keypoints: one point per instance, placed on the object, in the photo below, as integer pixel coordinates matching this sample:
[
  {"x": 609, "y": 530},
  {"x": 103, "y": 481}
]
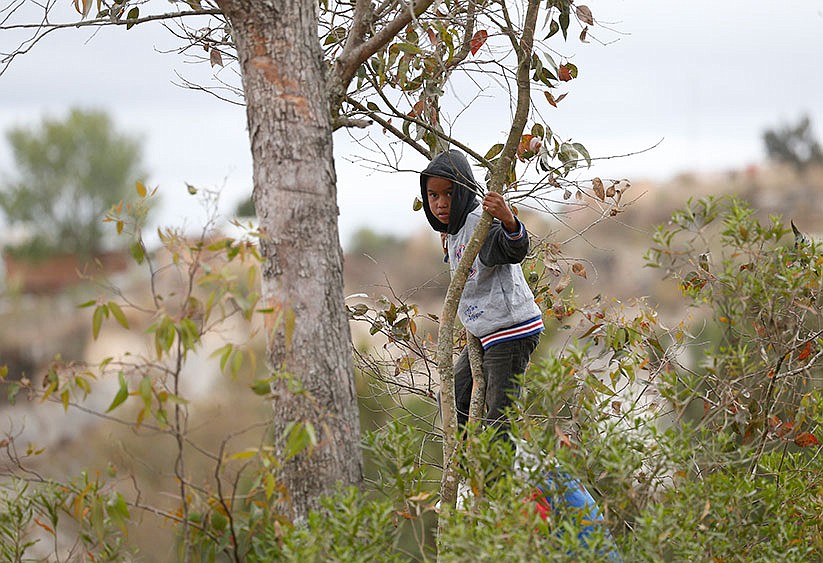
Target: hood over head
[{"x": 453, "y": 166}]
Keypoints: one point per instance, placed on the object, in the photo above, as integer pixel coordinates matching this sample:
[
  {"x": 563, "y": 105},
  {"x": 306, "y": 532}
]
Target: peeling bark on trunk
[{"x": 295, "y": 197}]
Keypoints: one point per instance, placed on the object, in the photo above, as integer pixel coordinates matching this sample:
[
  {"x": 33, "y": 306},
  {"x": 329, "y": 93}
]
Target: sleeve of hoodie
[{"x": 504, "y": 248}]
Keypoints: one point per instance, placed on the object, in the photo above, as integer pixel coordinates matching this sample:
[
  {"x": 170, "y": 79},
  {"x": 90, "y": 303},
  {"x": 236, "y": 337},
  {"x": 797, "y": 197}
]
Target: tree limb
[{"x": 523, "y": 48}]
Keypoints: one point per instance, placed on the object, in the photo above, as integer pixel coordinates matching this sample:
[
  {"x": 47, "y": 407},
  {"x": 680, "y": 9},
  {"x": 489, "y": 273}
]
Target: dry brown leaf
[
  {"x": 562, "y": 283},
  {"x": 579, "y": 269},
  {"x": 585, "y": 15},
  {"x": 215, "y": 58},
  {"x": 610, "y": 190},
  {"x": 599, "y": 191}
]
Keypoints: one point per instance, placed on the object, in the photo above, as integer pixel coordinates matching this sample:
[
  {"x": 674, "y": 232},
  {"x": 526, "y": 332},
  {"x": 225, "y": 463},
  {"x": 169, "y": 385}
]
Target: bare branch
[{"x": 44, "y": 28}]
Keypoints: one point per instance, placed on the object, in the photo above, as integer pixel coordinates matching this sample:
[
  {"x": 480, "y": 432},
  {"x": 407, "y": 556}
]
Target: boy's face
[{"x": 439, "y": 193}]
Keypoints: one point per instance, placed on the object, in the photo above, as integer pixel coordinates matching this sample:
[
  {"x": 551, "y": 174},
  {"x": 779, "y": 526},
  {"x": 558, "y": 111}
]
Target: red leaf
[
  {"x": 805, "y": 352},
  {"x": 785, "y": 428},
  {"x": 806, "y": 439},
  {"x": 417, "y": 109},
  {"x": 478, "y": 40},
  {"x": 525, "y": 140},
  {"x": 432, "y": 36},
  {"x": 552, "y": 100},
  {"x": 564, "y": 73}
]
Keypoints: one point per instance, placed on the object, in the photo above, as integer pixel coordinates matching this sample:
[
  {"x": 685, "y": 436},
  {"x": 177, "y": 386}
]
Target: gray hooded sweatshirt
[{"x": 497, "y": 304}]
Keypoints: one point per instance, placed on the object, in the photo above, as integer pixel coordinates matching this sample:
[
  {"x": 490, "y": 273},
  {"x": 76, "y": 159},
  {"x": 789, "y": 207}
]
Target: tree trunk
[{"x": 309, "y": 344}]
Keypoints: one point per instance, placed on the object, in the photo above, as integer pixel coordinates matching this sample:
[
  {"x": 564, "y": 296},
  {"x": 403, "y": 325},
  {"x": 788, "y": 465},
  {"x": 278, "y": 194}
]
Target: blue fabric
[{"x": 567, "y": 496}]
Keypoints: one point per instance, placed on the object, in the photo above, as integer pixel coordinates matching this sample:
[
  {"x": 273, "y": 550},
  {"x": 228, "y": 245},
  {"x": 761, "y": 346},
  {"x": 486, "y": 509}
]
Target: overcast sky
[{"x": 707, "y": 77}]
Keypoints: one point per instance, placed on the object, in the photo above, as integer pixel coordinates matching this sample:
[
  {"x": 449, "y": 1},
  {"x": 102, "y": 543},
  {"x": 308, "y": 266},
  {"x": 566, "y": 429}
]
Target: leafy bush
[{"x": 794, "y": 144}]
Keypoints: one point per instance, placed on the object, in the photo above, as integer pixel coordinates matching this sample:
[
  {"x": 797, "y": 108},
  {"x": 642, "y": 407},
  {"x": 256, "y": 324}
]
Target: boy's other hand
[{"x": 497, "y": 207}]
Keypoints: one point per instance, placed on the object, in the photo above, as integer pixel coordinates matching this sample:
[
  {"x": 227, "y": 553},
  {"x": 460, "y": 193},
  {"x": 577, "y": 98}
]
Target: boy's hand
[
  {"x": 443, "y": 243},
  {"x": 497, "y": 207}
]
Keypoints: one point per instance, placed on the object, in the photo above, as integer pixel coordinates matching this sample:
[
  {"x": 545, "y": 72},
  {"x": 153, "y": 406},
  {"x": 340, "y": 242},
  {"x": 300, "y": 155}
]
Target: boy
[{"x": 497, "y": 305}]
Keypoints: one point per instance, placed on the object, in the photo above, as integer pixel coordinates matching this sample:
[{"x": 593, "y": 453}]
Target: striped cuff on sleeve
[{"x": 519, "y": 234}]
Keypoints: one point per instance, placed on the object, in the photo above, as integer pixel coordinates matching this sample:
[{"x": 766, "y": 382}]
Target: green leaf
[
  {"x": 14, "y": 389},
  {"x": 409, "y": 48},
  {"x": 564, "y": 22},
  {"x": 553, "y": 28},
  {"x": 97, "y": 518},
  {"x": 584, "y": 153},
  {"x": 228, "y": 350},
  {"x": 335, "y": 36},
  {"x": 261, "y": 387},
  {"x": 372, "y": 106},
  {"x": 536, "y": 64},
  {"x": 118, "y": 315},
  {"x": 269, "y": 483},
  {"x": 138, "y": 252},
  {"x": 122, "y": 393},
  {"x": 246, "y": 454},
  {"x": 145, "y": 390},
  {"x": 538, "y": 130},
  {"x": 97, "y": 320},
  {"x": 600, "y": 387},
  {"x": 133, "y": 14},
  {"x": 236, "y": 363},
  {"x": 300, "y": 436},
  {"x": 218, "y": 521},
  {"x": 494, "y": 151},
  {"x": 118, "y": 511},
  {"x": 82, "y": 384},
  {"x": 406, "y": 363}
]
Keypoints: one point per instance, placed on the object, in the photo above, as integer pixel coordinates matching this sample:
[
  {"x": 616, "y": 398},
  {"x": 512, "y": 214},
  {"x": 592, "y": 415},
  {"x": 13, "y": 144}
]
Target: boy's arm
[
  {"x": 502, "y": 247},
  {"x": 508, "y": 241}
]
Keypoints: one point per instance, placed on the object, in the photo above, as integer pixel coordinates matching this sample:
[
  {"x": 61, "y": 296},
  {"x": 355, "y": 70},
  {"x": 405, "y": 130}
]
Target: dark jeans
[{"x": 501, "y": 362}]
